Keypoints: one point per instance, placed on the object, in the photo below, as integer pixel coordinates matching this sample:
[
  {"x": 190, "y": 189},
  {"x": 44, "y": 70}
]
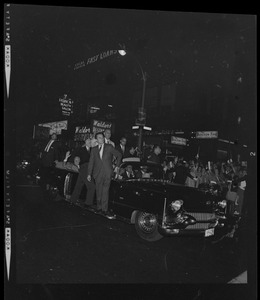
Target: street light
[{"x": 144, "y": 77}]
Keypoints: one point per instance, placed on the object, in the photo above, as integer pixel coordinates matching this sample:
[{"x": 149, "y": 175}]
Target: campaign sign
[
  {"x": 82, "y": 133},
  {"x": 56, "y": 127},
  {"x": 99, "y": 126}
]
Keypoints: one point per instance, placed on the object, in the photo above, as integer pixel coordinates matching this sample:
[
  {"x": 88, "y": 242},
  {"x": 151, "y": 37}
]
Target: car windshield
[{"x": 140, "y": 170}]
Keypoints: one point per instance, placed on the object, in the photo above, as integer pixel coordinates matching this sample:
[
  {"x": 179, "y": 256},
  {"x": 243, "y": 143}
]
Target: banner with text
[
  {"x": 178, "y": 141},
  {"x": 100, "y": 126},
  {"x": 56, "y": 127},
  {"x": 206, "y": 134},
  {"x": 82, "y": 133}
]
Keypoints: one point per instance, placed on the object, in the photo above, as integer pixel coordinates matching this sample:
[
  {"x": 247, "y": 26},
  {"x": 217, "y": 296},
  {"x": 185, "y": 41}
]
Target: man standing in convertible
[{"x": 100, "y": 167}]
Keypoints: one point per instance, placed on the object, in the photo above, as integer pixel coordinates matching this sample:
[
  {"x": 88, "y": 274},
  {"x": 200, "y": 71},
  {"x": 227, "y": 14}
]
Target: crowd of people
[{"x": 230, "y": 177}]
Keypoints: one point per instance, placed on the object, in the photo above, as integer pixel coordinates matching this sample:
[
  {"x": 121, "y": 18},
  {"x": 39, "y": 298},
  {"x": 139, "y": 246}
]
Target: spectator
[
  {"x": 241, "y": 182},
  {"x": 122, "y": 147},
  {"x": 154, "y": 157},
  {"x": 191, "y": 180},
  {"x": 50, "y": 153},
  {"x": 107, "y": 134},
  {"x": 129, "y": 173},
  {"x": 143, "y": 172},
  {"x": 182, "y": 172},
  {"x": 132, "y": 152},
  {"x": 65, "y": 165}
]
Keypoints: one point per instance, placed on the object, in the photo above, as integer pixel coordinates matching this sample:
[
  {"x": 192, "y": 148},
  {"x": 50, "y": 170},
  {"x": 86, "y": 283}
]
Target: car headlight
[
  {"x": 222, "y": 203},
  {"x": 176, "y": 205}
]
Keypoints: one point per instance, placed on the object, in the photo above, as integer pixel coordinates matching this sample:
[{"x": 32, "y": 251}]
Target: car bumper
[
  {"x": 199, "y": 229},
  {"x": 188, "y": 232}
]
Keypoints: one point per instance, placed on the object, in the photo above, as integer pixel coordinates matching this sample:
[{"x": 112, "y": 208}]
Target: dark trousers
[
  {"x": 78, "y": 188},
  {"x": 102, "y": 190}
]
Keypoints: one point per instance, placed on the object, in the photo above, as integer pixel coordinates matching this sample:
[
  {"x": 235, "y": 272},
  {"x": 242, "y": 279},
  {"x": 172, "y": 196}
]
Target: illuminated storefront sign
[
  {"x": 56, "y": 127},
  {"x": 178, "y": 141},
  {"x": 206, "y": 134},
  {"x": 94, "y": 58}
]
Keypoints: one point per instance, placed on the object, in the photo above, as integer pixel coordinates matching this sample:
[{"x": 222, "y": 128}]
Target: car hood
[{"x": 193, "y": 198}]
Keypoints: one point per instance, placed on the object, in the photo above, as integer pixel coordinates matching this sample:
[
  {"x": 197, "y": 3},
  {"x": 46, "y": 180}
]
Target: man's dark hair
[{"x": 96, "y": 134}]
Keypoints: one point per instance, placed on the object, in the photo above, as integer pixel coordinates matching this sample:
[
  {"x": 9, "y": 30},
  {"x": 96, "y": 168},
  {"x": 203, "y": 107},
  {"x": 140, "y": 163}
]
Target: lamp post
[{"x": 142, "y": 113}]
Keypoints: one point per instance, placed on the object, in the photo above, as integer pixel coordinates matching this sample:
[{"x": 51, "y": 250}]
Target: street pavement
[{"x": 59, "y": 243}]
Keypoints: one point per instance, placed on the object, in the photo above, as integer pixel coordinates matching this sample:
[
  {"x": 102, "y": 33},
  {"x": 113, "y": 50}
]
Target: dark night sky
[{"x": 202, "y": 52}]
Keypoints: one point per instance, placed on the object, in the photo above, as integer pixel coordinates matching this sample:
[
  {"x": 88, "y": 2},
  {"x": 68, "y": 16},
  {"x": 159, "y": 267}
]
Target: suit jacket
[
  {"x": 83, "y": 170},
  {"x": 125, "y": 153},
  {"x": 83, "y": 153},
  {"x": 98, "y": 166},
  {"x": 53, "y": 154},
  {"x": 125, "y": 176},
  {"x": 154, "y": 158}
]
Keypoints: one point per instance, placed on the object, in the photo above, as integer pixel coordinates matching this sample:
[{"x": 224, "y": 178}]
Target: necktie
[{"x": 100, "y": 152}]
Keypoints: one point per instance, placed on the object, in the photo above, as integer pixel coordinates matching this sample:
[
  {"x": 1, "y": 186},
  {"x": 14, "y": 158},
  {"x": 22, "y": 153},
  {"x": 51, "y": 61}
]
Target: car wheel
[{"x": 147, "y": 227}]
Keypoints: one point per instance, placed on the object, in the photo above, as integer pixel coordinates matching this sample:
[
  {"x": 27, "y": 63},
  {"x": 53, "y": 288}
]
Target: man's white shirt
[{"x": 101, "y": 150}]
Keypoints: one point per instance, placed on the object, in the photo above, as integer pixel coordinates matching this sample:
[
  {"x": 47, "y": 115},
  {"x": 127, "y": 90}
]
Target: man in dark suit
[
  {"x": 84, "y": 154},
  {"x": 122, "y": 147},
  {"x": 182, "y": 172},
  {"x": 100, "y": 167},
  {"x": 155, "y": 155},
  {"x": 129, "y": 173},
  {"x": 49, "y": 155},
  {"x": 107, "y": 135}
]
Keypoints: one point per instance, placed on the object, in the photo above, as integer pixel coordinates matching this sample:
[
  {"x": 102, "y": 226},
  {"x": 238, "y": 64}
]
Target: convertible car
[{"x": 156, "y": 206}]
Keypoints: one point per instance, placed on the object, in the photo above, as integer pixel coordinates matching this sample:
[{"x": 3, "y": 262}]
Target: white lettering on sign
[
  {"x": 94, "y": 58},
  {"x": 83, "y": 129},
  {"x": 66, "y": 105},
  {"x": 178, "y": 141},
  {"x": 102, "y": 124},
  {"x": 207, "y": 134}
]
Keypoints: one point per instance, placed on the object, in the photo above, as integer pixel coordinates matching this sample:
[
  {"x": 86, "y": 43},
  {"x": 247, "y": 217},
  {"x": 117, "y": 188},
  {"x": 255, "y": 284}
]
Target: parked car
[{"x": 156, "y": 206}]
